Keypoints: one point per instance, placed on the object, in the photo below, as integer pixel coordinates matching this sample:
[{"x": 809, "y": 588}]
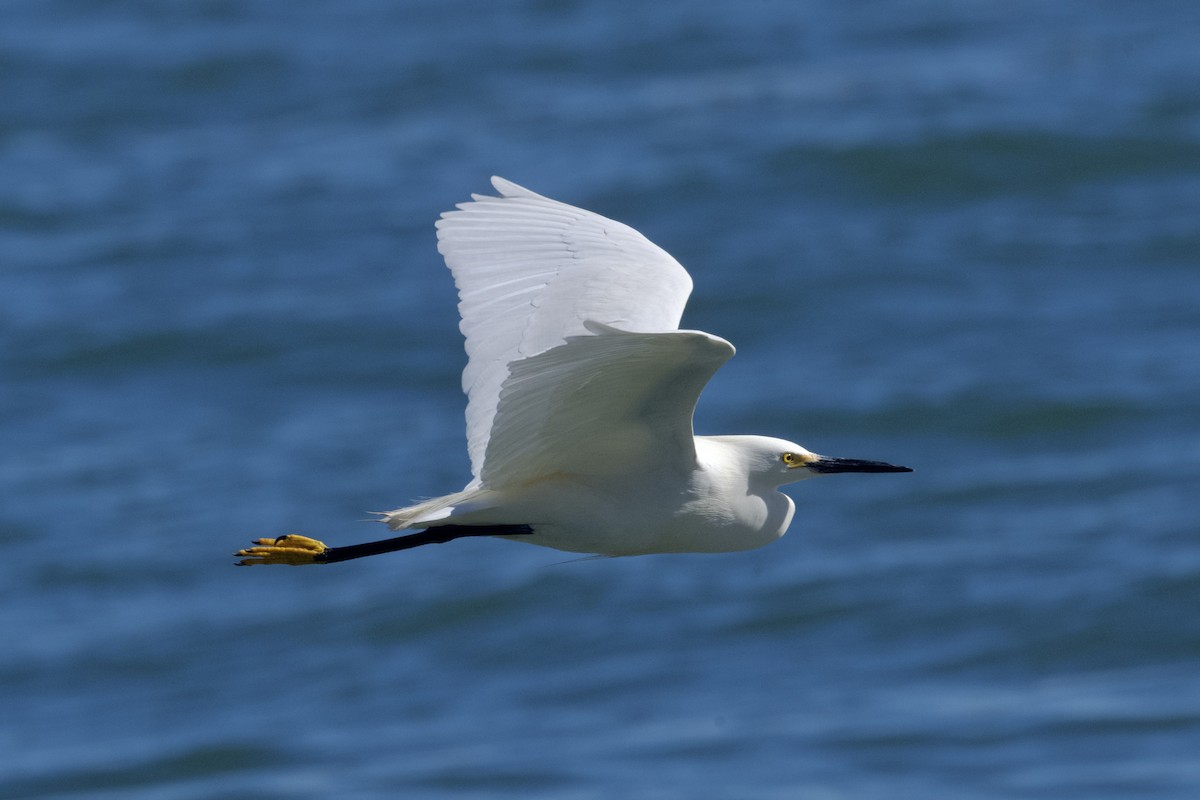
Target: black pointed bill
[{"x": 825, "y": 465}]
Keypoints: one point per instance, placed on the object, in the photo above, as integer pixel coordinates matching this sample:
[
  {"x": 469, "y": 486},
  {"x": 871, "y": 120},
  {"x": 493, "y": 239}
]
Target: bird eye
[{"x": 790, "y": 459}]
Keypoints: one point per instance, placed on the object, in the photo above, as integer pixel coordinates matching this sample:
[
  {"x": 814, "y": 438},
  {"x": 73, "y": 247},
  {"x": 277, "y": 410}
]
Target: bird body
[
  {"x": 727, "y": 501},
  {"x": 581, "y": 390}
]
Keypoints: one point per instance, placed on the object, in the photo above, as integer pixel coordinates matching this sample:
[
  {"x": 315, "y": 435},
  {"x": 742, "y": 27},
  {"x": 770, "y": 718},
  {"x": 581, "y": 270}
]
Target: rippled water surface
[{"x": 962, "y": 237}]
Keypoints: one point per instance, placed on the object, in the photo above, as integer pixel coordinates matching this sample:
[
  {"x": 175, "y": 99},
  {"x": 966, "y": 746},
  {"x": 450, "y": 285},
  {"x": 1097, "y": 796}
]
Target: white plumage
[
  {"x": 580, "y": 395},
  {"x": 531, "y": 272}
]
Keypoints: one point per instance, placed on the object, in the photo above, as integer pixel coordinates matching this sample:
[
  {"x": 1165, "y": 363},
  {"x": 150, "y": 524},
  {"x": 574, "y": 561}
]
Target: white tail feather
[{"x": 421, "y": 514}]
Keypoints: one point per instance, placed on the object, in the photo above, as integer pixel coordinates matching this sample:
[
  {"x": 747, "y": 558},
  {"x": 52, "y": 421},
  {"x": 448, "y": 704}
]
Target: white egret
[{"x": 580, "y": 392}]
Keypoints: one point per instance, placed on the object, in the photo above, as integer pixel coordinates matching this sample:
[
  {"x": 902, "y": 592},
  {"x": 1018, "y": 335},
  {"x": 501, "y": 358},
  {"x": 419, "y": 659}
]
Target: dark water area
[{"x": 961, "y": 237}]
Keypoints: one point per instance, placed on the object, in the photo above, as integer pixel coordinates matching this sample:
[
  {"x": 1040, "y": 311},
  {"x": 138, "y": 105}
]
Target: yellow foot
[{"x": 291, "y": 549}]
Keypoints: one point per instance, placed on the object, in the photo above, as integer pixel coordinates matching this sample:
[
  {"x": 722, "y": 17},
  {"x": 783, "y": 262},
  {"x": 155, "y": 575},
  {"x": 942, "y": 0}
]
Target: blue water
[{"x": 963, "y": 237}]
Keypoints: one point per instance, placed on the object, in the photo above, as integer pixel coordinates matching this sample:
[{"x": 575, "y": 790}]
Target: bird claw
[{"x": 290, "y": 549}]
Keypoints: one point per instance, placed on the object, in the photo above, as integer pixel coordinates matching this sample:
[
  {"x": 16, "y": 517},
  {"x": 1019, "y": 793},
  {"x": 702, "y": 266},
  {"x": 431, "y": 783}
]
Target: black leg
[{"x": 439, "y": 534}]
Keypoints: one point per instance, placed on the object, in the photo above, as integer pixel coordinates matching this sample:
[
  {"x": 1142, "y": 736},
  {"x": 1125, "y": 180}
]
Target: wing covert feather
[{"x": 597, "y": 404}]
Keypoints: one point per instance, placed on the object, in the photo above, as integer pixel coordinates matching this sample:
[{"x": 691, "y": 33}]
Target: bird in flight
[{"x": 580, "y": 391}]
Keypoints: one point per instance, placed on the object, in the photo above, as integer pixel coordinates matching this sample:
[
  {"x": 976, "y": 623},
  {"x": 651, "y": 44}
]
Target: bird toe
[{"x": 291, "y": 549}]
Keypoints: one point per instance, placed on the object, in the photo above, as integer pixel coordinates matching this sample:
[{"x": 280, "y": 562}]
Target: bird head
[{"x": 780, "y": 461}]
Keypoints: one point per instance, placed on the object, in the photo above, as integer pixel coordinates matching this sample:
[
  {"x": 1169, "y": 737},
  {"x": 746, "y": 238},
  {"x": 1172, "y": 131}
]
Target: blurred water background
[{"x": 959, "y": 236}]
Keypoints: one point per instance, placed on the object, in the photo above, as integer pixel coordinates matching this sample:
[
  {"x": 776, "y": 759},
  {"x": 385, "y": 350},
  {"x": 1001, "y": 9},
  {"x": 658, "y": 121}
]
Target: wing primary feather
[{"x": 530, "y": 271}]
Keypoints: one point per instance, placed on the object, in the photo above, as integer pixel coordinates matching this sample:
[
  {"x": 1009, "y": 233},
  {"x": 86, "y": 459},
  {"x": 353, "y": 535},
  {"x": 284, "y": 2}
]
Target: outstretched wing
[
  {"x": 530, "y": 271},
  {"x": 600, "y": 404}
]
